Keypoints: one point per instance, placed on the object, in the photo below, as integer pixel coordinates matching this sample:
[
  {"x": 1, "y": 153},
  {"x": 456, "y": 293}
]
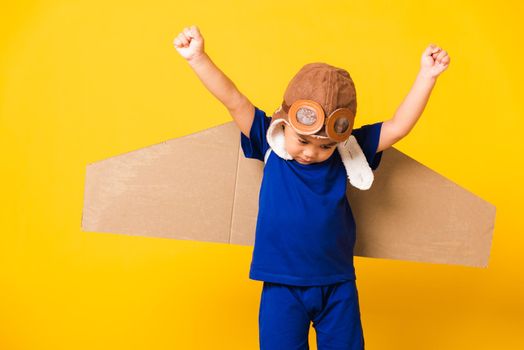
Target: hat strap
[{"x": 359, "y": 172}]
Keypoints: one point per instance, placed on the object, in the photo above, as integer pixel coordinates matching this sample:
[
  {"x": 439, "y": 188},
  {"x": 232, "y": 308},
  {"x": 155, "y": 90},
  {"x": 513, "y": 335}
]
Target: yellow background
[{"x": 82, "y": 81}]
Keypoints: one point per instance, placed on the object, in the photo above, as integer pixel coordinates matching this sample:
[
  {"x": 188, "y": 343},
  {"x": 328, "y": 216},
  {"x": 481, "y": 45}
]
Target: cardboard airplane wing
[{"x": 201, "y": 187}]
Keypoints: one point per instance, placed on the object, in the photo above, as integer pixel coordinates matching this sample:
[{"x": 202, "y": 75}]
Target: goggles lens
[
  {"x": 341, "y": 125},
  {"x": 306, "y": 116}
]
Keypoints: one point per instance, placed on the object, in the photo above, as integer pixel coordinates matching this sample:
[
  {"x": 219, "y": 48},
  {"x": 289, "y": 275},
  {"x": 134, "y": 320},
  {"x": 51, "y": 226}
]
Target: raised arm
[
  {"x": 434, "y": 61},
  {"x": 190, "y": 44}
]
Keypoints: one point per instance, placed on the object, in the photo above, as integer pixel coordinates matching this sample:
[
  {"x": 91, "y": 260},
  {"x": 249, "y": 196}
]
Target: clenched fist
[
  {"x": 434, "y": 60},
  {"x": 189, "y": 43}
]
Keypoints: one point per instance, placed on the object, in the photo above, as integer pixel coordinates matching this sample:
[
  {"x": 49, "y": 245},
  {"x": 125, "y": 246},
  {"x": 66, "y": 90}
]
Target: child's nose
[{"x": 309, "y": 154}]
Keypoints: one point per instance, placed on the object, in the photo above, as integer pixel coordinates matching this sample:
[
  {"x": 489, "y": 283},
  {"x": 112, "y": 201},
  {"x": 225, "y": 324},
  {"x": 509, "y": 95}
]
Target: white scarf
[{"x": 358, "y": 170}]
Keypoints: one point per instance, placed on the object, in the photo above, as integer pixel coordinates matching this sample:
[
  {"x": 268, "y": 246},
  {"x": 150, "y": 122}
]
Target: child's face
[{"x": 306, "y": 149}]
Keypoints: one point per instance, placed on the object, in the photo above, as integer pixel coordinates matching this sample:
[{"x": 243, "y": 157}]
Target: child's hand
[
  {"x": 434, "y": 61},
  {"x": 189, "y": 43}
]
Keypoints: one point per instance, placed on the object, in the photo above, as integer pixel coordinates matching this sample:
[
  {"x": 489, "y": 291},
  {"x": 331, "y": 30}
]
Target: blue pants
[{"x": 286, "y": 312}]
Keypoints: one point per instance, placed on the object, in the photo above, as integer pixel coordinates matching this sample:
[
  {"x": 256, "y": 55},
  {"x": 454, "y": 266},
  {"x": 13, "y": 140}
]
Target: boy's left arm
[{"x": 434, "y": 61}]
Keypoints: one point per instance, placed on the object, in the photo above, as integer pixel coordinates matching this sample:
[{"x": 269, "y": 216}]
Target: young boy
[{"x": 305, "y": 230}]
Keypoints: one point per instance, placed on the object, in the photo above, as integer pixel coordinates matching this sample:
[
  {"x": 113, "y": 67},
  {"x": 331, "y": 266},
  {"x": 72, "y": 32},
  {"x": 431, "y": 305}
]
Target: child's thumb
[
  {"x": 431, "y": 49},
  {"x": 195, "y": 32}
]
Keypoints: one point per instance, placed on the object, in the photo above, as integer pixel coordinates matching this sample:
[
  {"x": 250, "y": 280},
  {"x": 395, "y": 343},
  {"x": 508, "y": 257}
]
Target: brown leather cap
[{"x": 325, "y": 84}]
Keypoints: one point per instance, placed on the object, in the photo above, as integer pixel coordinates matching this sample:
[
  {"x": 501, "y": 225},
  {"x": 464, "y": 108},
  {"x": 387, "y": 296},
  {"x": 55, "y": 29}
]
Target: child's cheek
[
  {"x": 289, "y": 141},
  {"x": 290, "y": 146}
]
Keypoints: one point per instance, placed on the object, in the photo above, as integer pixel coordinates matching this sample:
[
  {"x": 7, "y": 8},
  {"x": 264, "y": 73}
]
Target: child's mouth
[{"x": 303, "y": 160}]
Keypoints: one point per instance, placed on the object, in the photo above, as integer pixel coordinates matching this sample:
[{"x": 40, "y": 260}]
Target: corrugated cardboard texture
[{"x": 201, "y": 187}]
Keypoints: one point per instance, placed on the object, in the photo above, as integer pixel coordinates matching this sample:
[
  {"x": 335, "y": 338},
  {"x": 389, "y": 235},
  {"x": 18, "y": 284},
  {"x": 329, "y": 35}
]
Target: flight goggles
[{"x": 307, "y": 117}]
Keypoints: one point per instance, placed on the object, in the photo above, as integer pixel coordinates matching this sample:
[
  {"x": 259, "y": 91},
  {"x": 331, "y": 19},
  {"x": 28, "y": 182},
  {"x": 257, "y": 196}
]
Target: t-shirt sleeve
[
  {"x": 368, "y": 137},
  {"x": 256, "y": 145}
]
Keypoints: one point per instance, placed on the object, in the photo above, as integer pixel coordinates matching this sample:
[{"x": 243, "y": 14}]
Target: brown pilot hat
[{"x": 329, "y": 86}]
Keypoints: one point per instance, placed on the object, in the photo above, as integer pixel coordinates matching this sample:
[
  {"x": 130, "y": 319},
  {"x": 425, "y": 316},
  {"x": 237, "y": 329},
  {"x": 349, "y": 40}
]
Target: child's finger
[
  {"x": 441, "y": 55},
  {"x": 188, "y": 33},
  {"x": 184, "y": 35},
  {"x": 183, "y": 39}
]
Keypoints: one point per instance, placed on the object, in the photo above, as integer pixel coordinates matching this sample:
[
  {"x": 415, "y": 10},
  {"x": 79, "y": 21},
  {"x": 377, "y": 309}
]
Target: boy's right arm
[{"x": 190, "y": 44}]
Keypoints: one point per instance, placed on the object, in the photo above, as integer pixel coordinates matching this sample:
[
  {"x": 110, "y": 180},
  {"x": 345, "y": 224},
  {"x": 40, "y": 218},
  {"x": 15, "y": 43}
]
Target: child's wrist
[
  {"x": 425, "y": 75},
  {"x": 197, "y": 58}
]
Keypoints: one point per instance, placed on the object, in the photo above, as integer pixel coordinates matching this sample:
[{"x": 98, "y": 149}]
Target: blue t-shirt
[{"x": 305, "y": 231}]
